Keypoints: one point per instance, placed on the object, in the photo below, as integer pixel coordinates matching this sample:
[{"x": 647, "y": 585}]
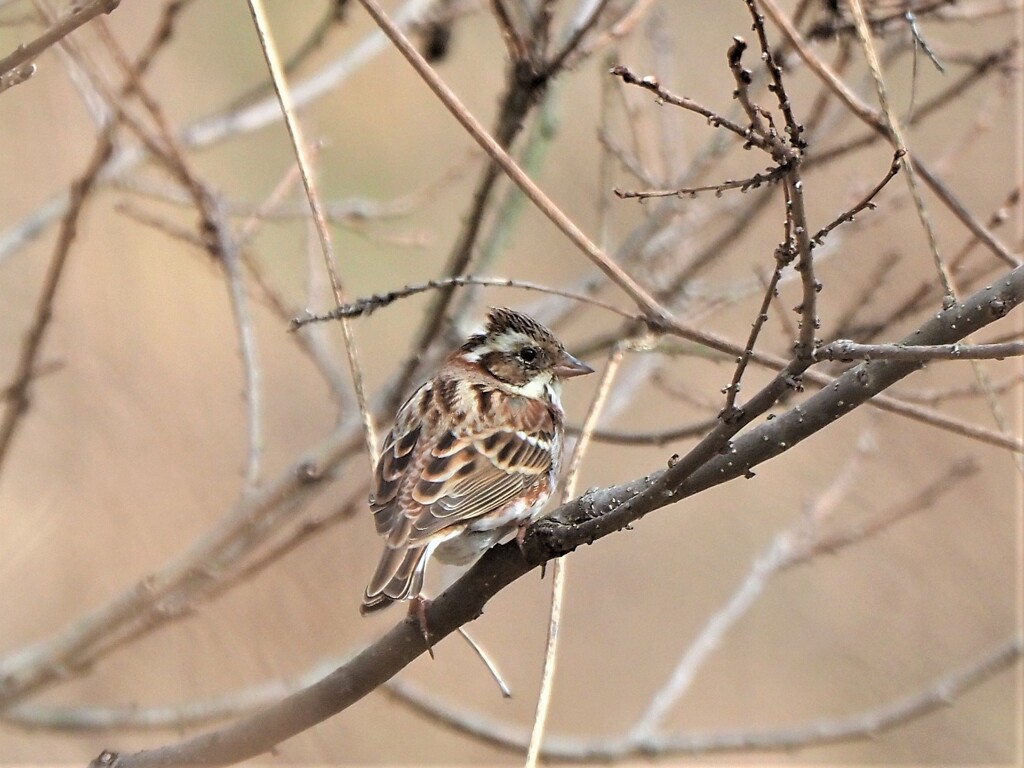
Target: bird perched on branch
[{"x": 473, "y": 455}]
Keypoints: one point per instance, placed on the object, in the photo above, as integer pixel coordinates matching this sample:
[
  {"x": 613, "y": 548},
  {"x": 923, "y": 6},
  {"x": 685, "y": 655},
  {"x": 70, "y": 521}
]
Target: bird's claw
[{"x": 418, "y": 609}]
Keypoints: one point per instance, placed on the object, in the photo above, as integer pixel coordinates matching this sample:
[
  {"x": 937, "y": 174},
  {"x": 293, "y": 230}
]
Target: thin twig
[
  {"x": 778, "y": 86},
  {"x": 938, "y": 395},
  {"x": 844, "y": 349},
  {"x": 331, "y": 20},
  {"x": 770, "y": 291},
  {"x": 517, "y": 48},
  {"x": 488, "y": 662},
  {"x": 16, "y": 394},
  {"x": 250, "y": 366},
  {"x": 743, "y": 77},
  {"x": 658, "y": 438},
  {"x": 623, "y": 26},
  {"x": 877, "y": 122},
  {"x": 650, "y": 83},
  {"x": 865, "y": 725},
  {"x": 301, "y": 155},
  {"x": 60, "y": 29},
  {"x": 597, "y": 404},
  {"x": 579, "y": 31},
  {"x": 866, "y": 202},
  {"x": 647, "y": 303},
  {"x": 164, "y": 226},
  {"x": 979, "y": 230},
  {"x": 547, "y": 679},
  {"x": 796, "y": 214},
  {"x": 370, "y": 304},
  {"x": 895, "y": 132},
  {"x": 752, "y": 182}
]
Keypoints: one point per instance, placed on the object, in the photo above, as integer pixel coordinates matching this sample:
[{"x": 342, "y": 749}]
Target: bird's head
[{"x": 521, "y": 353}]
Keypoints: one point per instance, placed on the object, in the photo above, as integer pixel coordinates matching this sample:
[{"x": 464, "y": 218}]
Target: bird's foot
[
  {"x": 521, "y": 543},
  {"x": 521, "y": 535},
  {"x": 418, "y": 609}
]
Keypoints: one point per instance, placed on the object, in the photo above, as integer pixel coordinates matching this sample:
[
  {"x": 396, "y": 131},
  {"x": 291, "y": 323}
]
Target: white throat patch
[{"x": 535, "y": 389}]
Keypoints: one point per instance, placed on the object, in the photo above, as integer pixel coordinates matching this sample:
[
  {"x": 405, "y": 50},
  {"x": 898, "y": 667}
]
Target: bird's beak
[{"x": 568, "y": 366}]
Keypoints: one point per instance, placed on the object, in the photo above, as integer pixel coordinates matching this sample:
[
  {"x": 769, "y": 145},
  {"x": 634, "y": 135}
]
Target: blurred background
[{"x": 135, "y": 444}]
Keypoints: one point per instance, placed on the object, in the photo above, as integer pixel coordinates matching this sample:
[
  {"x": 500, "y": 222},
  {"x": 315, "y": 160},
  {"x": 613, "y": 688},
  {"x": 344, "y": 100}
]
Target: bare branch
[
  {"x": 860, "y": 726},
  {"x": 650, "y": 83},
  {"x": 874, "y": 120},
  {"x": 558, "y": 579},
  {"x": 301, "y": 155},
  {"x": 370, "y": 304},
  {"x": 576, "y": 35},
  {"x": 865, "y": 203},
  {"x": 585, "y": 520},
  {"x": 752, "y": 182},
  {"x": 60, "y": 29},
  {"x": 16, "y": 394},
  {"x": 844, "y": 349},
  {"x": 647, "y": 303},
  {"x": 895, "y": 131}
]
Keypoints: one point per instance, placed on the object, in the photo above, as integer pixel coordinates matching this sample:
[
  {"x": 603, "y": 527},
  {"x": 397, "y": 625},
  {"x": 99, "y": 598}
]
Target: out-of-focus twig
[
  {"x": 647, "y": 303},
  {"x": 559, "y": 566},
  {"x": 876, "y": 121},
  {"x": 895, "y": 132},
  {"x": 865, "y": 725},
  {"x": 301, "y": 155},
  {"x": 62, "y": 27},
  {"x": 16, "y": 394}
]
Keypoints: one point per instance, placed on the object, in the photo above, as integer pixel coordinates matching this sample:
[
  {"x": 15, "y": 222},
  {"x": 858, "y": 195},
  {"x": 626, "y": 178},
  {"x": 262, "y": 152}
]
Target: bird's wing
[
  {"x": 472, "y": 469},
  {"x": 396, "y": 457}
]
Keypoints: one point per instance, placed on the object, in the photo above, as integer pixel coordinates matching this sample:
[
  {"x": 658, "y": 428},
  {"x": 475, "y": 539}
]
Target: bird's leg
[
  {"x": 521, "y": 530},
  {"x": 418, "y": 609},
  {"x": 520, "y": 540}
]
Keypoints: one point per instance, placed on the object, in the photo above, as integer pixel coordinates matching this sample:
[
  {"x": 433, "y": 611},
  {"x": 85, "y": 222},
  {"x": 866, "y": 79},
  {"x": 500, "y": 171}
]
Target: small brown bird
[{"x": 473, "y": 455}]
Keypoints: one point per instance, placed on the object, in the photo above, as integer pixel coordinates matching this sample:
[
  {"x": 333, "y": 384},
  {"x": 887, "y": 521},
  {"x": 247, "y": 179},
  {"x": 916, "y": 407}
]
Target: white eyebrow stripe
[{"x": 509, "y": 341}]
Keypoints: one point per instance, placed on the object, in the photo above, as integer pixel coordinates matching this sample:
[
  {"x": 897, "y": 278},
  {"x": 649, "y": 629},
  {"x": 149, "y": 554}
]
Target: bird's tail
[{"x": 399, "y": 576}]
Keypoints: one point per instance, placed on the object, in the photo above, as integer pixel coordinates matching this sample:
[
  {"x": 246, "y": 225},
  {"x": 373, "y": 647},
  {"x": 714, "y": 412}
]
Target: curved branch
[{"x": 866, "y": 724}]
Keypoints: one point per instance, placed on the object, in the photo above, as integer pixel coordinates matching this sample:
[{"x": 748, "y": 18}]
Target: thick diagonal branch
[{"x": 582, "y": 521}]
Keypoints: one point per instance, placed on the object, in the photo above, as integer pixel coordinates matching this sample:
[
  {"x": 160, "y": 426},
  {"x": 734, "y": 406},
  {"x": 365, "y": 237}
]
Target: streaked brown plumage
[{"x": 473, "y": 454}]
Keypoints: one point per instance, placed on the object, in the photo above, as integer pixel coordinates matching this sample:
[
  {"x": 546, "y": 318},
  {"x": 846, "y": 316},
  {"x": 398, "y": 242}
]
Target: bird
[{"x": 473, "y": 455}]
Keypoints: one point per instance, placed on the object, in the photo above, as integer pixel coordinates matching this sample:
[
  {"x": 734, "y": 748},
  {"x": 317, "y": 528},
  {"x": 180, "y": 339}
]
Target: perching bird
[{"x": 473, "y": 455}]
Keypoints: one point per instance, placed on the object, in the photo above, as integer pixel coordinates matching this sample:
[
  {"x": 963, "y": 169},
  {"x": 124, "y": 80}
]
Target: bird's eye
[{"x": 528, "y": 354}]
